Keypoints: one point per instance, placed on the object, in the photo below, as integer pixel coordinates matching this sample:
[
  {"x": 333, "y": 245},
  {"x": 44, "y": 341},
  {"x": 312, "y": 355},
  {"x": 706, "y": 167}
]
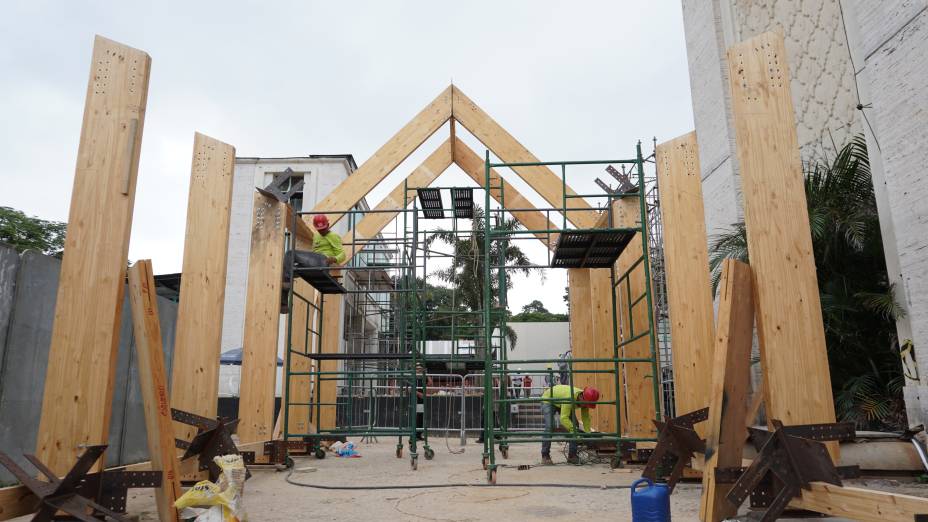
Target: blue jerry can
[{"x": 651, "y": 504}]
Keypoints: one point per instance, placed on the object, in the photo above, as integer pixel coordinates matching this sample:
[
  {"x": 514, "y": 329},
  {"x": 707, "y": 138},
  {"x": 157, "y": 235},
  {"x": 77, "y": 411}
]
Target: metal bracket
[
  {"x": 273, "y": 190},
  {"x": 79, "y": 491},
  {"x": 606, "y": 188},
  {"x": 677, "y": 442},
  {"x": 786, "y": 462},
  {"x": 625, "y": 185},
  {"x": 213, "y": 439}
]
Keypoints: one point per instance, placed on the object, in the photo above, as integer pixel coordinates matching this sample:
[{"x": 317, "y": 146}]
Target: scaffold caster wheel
[
  {"x": 320, "y": 453},
  {"x": 290, "y": 464},
  {"x": 399, "y": 452},
  {"x": 504, "y": 451},
  {"x": 414, "y": 462},
  {"x": 615, "y": 462},
  {"x": 485, "y": 462},
  {"x": 429, "y": 454},
  {"x": 491, "y": 476}
]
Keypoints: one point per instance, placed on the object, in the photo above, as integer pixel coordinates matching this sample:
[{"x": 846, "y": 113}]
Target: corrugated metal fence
[{"x": 28, "y": 288}]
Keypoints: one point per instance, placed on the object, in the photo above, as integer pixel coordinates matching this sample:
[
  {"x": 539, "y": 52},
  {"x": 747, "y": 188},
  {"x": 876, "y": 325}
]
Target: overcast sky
[{"x": 570, "y": 80}]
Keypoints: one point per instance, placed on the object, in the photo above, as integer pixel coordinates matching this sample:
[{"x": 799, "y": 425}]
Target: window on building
[{"x": 296, "y": 199}]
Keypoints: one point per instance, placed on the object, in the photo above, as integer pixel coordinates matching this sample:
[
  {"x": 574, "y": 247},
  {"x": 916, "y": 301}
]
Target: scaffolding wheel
[
  {"x": 615, "y": 462},
  {"x": 504, "y": 451},
  {"x": 485, "y": 462},
  {"x": 429, "y": 454},
  {"x": 320, "y": 453},
  {"x": 399, "y": 452},
  {"x": 414, "y": 462},
  {"x": 491, "y": 476}
]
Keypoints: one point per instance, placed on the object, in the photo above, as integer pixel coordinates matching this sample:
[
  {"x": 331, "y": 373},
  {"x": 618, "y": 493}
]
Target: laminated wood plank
[
  {"x": 16, "y": 501},
  {"x": 639, "y": 378},
  {"x": 262, "y": 320},
  {"x": 548, "y": 184},
  {"x": 332, "y": 306},
  {"x": 581, "y": 323},
  {"x": 789, "y": 320},
  {"x": 730, "y": 387},
  {"x": 860, "y": 504},
  {"x": 153, "y": 382},
  {"x": 305, "y": 318},
  {"x": 686, "y": 259},
  {"x": 603, "y": 348},
  {"x": 473, "y": 166},
  {"x": 76, "y": 405},
  {"x": 197, "y": 344},
  {"x": 388, "y": 157},
  {"x": 398, "y": 198}
]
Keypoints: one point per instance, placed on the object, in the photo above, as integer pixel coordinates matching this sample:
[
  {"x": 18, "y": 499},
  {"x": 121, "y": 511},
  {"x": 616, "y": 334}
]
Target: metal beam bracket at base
[
  {"x": 213, "y": 439},
  {"x": 788, "y": 459},
  {"x": 677, "y": 443},
  {"x": 103, "y": 493}
]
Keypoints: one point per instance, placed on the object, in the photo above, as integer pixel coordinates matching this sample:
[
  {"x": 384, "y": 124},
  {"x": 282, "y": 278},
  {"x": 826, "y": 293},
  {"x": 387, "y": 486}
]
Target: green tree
[
  {"x": 24, "y": 232},
  {"x": 858, "y": 306},
  {"x": 535, "y": 312},
  {"x": 466, "y": 272}
]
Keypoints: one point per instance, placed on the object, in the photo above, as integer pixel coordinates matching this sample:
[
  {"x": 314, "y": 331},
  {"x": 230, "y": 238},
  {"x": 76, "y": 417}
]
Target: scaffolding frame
[{"x": 499, "y": 367}]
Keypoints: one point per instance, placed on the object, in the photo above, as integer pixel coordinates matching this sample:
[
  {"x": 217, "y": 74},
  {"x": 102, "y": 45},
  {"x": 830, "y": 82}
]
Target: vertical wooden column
[
  {"x": 731, "y": 385},
  {"x": 305, "y": 318},
  {"x": 639, "y": 377},
  {"x": 581, "y": 323},
  {"x": 76, "y": 406},
  {"x": 262, "y": 321},
  {"x": 789, "y": 321},
  {"x": 195, "y": 370},
  {"x": 153, "y": 382},
  {"x": 332, "y": 306},
  {"x": 603, "y": 347},
  {"x": 686, "y": 258}
]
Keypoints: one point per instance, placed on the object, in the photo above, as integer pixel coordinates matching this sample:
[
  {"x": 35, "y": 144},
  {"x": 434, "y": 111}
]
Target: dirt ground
[{"x": 268, "y": 496}]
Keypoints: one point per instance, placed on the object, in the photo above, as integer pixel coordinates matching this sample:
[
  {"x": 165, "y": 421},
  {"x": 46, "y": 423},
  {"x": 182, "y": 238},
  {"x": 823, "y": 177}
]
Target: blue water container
[{"x": 651, "y": 504}]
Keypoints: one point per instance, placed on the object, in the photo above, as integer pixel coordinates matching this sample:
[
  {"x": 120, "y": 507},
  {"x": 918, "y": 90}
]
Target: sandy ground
[{"x": 268, "y": 496}]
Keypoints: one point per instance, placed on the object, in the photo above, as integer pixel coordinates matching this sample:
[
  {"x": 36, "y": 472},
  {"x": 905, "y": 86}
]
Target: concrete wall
[
  {"x": 889, "y": 42},
  {"x": 539, "y": 341},
  {"x": 822, "y": 80},
  {"x": 841, "y": 54},
  {"x": 28, "y": 289}
]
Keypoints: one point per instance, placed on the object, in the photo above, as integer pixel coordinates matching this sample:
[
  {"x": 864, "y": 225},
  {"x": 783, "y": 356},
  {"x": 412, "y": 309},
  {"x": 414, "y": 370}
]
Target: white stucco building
[
  {"x": 856, "y": 66},
  {"x": 320, "y": 174}
]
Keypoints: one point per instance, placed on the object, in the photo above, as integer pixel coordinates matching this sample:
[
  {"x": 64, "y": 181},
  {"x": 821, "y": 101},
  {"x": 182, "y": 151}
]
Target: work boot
[
  {"x": 546, "y": 460},
  {"x": 573, "y": 459}
]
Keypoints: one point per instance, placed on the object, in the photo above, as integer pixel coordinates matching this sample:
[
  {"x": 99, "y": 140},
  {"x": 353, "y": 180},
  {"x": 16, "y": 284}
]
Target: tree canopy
[{"x": 24, "y": 232}]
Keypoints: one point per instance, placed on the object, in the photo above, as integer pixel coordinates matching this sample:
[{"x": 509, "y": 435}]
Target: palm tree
[
  {"x": 859, "y": 308},
  {"x": 466, "y": 272}
]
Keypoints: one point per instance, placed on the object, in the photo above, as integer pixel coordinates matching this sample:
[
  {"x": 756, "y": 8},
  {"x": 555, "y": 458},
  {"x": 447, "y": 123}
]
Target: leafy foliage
[
  {"x": 466, "y": 272},
  {"x": 24, "y": 232},
  {"x": 535, "y": 312},
  {"x": 858, "y": 303}
]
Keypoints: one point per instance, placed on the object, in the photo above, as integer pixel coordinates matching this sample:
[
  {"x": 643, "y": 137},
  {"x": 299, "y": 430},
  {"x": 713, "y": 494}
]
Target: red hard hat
[
  {"x": 591, "y": 395},
  {"x": 321, "y": 222}
]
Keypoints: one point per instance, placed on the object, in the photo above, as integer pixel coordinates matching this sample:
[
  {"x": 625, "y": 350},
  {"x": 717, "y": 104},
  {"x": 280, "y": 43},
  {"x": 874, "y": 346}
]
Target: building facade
[
  {"x": 321, "y": 174},
  {"x": 857, "y": 67}
]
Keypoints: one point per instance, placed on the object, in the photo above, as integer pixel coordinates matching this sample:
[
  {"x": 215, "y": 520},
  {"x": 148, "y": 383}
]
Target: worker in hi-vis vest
[
  {"x": 557, "y": 408},
  {"x": 326, "y": 242}
]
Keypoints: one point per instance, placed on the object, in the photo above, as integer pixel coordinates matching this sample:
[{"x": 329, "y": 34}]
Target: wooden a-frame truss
[{"x": 453, "y": 105}]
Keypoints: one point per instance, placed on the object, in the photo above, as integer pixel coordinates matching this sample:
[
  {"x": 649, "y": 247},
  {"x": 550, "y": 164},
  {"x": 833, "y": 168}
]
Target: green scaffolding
[
  {"x": 406, "y": 323},
  {"x": 498, "y": 368}
]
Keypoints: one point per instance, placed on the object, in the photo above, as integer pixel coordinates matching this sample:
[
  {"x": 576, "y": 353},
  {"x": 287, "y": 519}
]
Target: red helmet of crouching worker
[
  {"x": 321, "y": 222},
  {"x": 589, "y": 397}
]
